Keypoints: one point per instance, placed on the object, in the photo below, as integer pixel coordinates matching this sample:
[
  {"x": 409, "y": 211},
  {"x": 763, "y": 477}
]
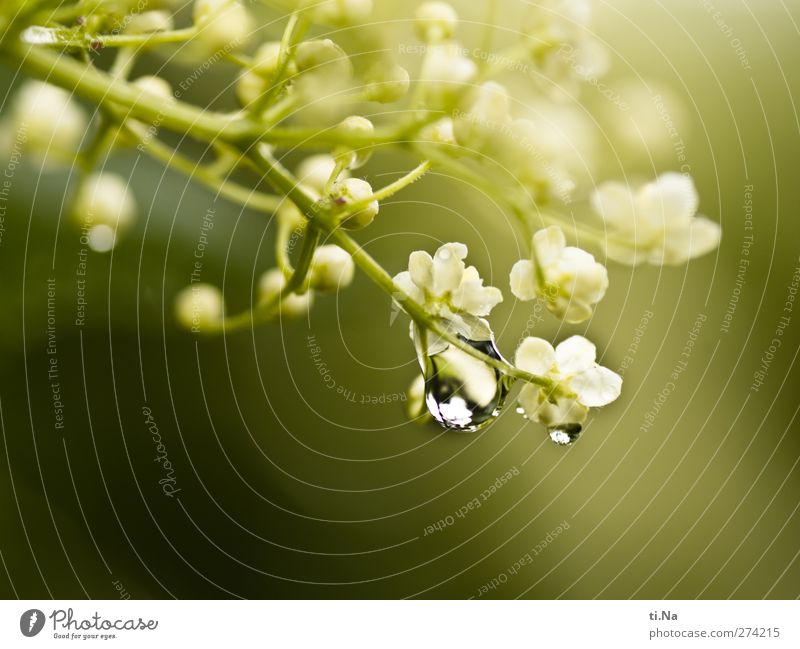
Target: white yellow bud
[
  {"x": 222, "y": 24},
  {"x": 436, "y": 21},
  {"x": 355, "y": 190},
  {"x": 106, "y": 207},
  {"x": 331, "y": 269},
  {"x": 358, "y": 156},
  {"x": 148, "y": 22},
  {"x": 340, "y": 12},
  {"x": 315, "y": 171},
  {"x": 49, "y": 120},
  {"x": 199, "y": 306},
  {"x": 387, "y": 83},
  {"x": 323, "y": 57},
  {"x": 269, "y": 288}
]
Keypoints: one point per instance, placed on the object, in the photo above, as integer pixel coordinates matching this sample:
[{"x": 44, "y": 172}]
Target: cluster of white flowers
[
  {"x": 458, "y": 115},
  {"x": 656, "y": 224}
]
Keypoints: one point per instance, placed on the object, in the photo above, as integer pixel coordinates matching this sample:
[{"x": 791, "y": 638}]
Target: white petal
[
  {"x": 597, "y": 386},
  {"x": 692, "y": 239},
  {"x": 548, "y": 244},
  {"x": 535, "y": 355},
  {"x": 588, "y": 279},
  {"x": 420, "y": 266},
  {"x": 565, "y": 411},
  {"x": 523, "y": 280},
  {"x": 407, "y": 288},
  {"x": 671, "y": 197},
  {"x": 575, "y": 354},
  {"x": 614, "y": 202},
  {"x": 448, "y": 267}
]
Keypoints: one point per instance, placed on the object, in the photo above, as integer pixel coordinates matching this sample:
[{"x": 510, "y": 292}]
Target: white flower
[
  {"x": 199, "y": 306},
  {"x": 331, "y": 268},
  {"x": 354, "y": 190},
  {"x": 106, "y": 207},
  {"x": 449, "y": 290},
  {"x": 435, "y": 21},
  {"x": 221, "y": 24},
  {"x": 49, "y": 121},
  {"x": 269, "y": 288},
  {"x": 572, "y": 366},
  {"x": 440, "y": 132},
  {"x": 573, "y": 280},
  {"x": 657, "y": 224}
]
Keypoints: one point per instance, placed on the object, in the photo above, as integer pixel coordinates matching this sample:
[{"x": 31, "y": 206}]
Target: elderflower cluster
[{"x": 316, "y": 88}]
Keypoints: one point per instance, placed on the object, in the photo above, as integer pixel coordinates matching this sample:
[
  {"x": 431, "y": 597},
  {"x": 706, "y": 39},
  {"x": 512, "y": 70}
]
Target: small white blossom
[
  {"x": 573, "y": 282},
  {"x": 331, "y": 268},
  {"x": 270, "y": 286},
  {"x": 199, "y": 306},
  {"x": 435, "y": 21},
  {"x": 656, "y": 224},
  {"x": 322, "y": 58},
  {"x": 571, "y": 365},
  {"x": 221, "y": 24},
  {"x": 449, "y": 290}
]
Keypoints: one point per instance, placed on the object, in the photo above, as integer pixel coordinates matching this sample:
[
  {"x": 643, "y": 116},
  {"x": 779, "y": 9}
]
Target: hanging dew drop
[
  {"x": 462, "y": 392},
  {"x": 565, "y": 434}
]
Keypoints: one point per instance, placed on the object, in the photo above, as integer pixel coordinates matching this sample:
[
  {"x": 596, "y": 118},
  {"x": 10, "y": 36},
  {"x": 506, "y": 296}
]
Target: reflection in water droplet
[
  {"x": 462, "y": 392},
  {"x": 565, "y": 434}
]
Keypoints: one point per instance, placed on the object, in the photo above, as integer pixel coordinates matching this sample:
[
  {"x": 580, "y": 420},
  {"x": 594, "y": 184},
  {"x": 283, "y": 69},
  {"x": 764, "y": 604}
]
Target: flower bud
[
  {"x": 446, "y": 71},
  {"x": 266, "y": 60},
  {"x": 386, "y": 84},
  {"x": 315, "y": 171},
  {"x": 340, "y": 12},
  {"x": 488, "y": 120},
  {"x": 436, "y": 21},
  {"x": 440, "y": 132},
  {"x": 353, "y": 190},
  {"x": 249, "y": 88},
  {"x": 331, "y": 269},
  {"x": 148, "y": 22},
  {"x": 199, "y": 306},
  {"x": 105, "y": 206},
  {"x": 323, "y": 57},
  {"x": 49, "y": 119},
  {"x": 360, "y": 155},
  {"x": 292, "y": 306},
  {"x": 221, "y": 24}
]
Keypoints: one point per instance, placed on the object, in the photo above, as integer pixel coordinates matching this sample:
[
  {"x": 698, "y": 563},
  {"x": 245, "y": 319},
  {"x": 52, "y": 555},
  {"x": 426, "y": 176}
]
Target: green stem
[{"x": 59, "y": 37}]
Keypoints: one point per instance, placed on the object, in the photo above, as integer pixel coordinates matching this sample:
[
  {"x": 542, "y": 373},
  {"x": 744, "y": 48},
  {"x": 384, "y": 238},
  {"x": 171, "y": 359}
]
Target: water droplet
[
  {"x": 565, "y": 434},
  {"x": 462, "y": 392}
]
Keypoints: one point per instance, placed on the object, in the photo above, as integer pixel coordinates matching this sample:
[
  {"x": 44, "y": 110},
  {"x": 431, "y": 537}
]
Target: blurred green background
[{"x": 292, "y": 487}]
